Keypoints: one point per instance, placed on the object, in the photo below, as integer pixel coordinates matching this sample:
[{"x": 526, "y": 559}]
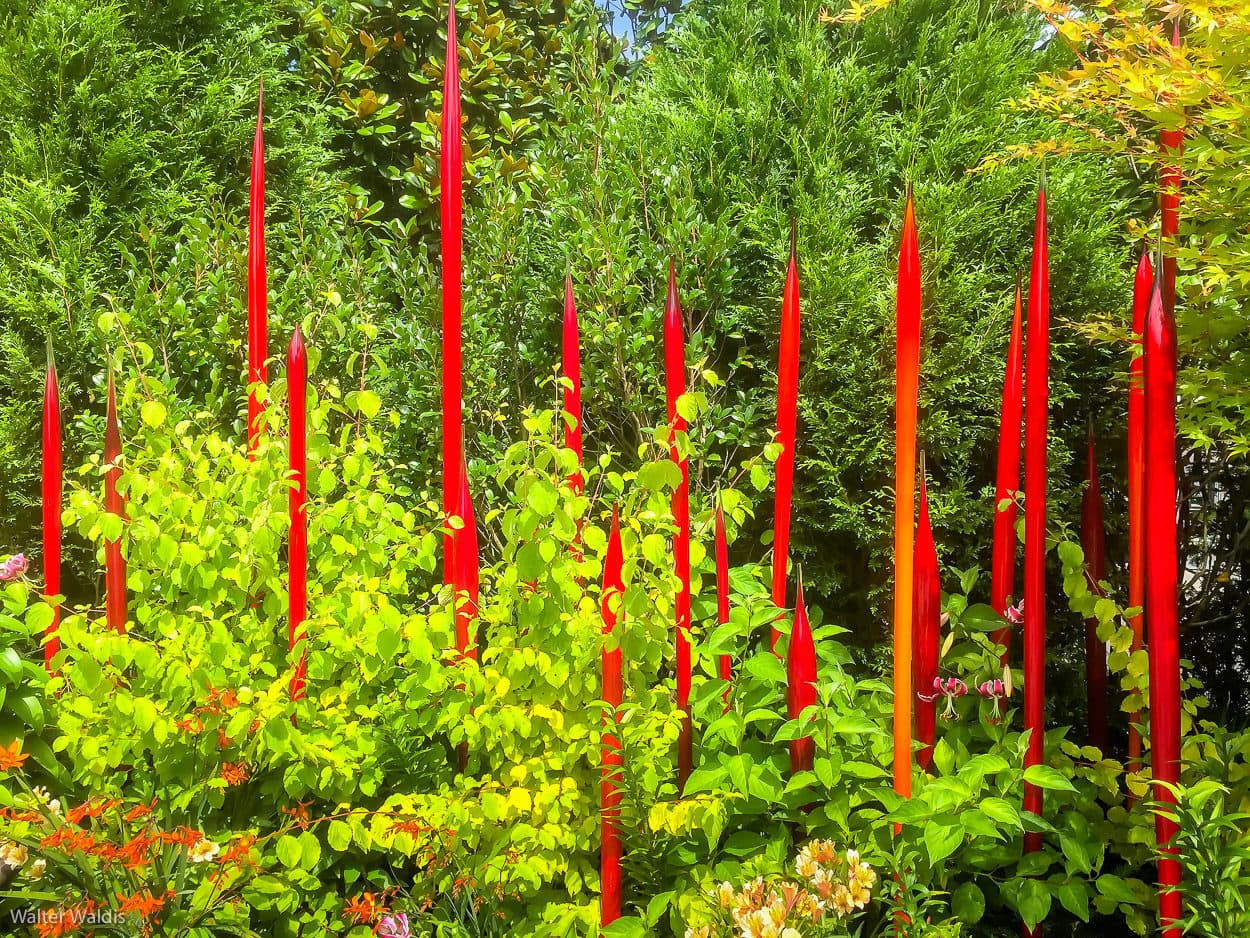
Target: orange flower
[
  {"x": 68, "y": 840},
  {"x": 240, "y": 851},
  {"x": 299, "y": 814},
  {"x": 57, "y": 922},
  {"x": 145, "y": 904},
  {"x": 234, "y": 773},
  {"x": 11, "y": 756},
  {"x": 140, "y": 810},
  {"x": 364, "y": 909},
  {"x": 90, "y": 809}
]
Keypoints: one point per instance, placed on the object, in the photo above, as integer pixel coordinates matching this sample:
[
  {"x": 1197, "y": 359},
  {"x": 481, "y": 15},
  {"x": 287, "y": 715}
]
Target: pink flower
[
  {"x": 1015, "y": 614},
  {"x": 13, "y": 568},
  {"x": 394, "y": 926},
  {"x": 997, "y": 692},
  {"x": 951, "y": 688}
]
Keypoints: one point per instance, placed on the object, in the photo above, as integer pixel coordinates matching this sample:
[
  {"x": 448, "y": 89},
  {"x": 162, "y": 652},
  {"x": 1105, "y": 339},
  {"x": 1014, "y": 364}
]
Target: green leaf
[
  {"x": 38, "y": 617},
  {"x": 855, "y": 723},
  {"x": 389, "y": 641},
  {"x": 658, "y": 905},
  {"x": 289, "y": 851},
  {"x": 1076, "y": 854},
  {"x": 660, "y": 476},
  {"x": 759, "y": 477},
  {"x": 1002, "y": 811},
  {"x": 368, "y": 403},
  {"x": 339, "y": 835},
  {"x": 29, "y": 710},
  {"x": 1074, "y": 896},
  {"x": 11, "y": 663},
  {"x": 153, "y": 413},
  {"x": 766, "y": 667},
  {"x": 981, "y": 618},
  {"x": 627, "y": 927},
  {"x": 1113, "y": 887},
  {"x": 310, "y": 850},
  {"x": 1048, "y": 777},
  {"x": 944, "y": 757},
  {"x": 144, "y": 713},
  {"x": 1033, "y": 901},
  {"x": 942, "y": 837},
  {"x": 968, "y": 903},
  {"x": 542, "y": 497},
  {"x": 86, "y": 674}
]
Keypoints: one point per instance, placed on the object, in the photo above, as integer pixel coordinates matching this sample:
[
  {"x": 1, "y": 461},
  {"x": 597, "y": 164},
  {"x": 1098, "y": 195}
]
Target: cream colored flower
[
  {"x": 841, "y": 900},
  {"x": 724, "y": 894},
  {"x": 822, "y": 882},
  {"x": 42, "y": 794},
  {"x": 14, "y": 855},
  {"x": 701, "y": 932},
  {"x": 37, "y": 868},
  {"x": 55, "y": 807},
  {"x": 203, "y": 851},
  {"x": 777, "y": 912},
  {"x": 865, "y": 875},
  {"x": 756, "y": 924},
  {"x": 860, "y": 894}
]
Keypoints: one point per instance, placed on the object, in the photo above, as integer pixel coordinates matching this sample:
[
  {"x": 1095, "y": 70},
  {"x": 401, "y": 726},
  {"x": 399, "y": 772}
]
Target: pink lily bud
[
  {"x": 1015, "y": 614},
  {"x": 13, "y": 568}
]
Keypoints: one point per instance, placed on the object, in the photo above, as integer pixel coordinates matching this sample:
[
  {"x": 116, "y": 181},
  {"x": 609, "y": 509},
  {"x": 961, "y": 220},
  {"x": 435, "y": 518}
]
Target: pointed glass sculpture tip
[{"x": 297, "y": 343}]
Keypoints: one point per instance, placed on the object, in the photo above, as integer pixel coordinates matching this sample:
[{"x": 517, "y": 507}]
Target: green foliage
[
  {"x": 753, "y": 113},
  {"x": 23, "y": 717},
  {"x": 124, "y": 198},
  {"x": 1127, "y": 86},
  {"x": 382, "y": 65},
  {"x": 318, "y": 814}
]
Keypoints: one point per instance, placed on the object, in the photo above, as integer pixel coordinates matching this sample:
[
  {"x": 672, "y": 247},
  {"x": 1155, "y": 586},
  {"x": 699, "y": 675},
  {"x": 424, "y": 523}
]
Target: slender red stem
[
  {"x": 1036, "y": 419},
  {"x": 787, "y": 421},
  {"x": 907, "y": 380},
  {"x": 451, "y": 169},
  {"x": 466, "y": 581},
  {"x": 1172, "y": 143},
  {"x": 468, "y": 572},
  {"x": 927, "y": 616},
  {"x": 571, "y": 365},
  {"x": 572, "y": 369},
  {"x": 1007, "y": 482},
  {"x": 51, "y": 506},
  {"x": 257, "y": 286},
  {"x": 1161, "y": 590},
  {"x": 1142, "y": 285},
  {"x": 114, "y": 562},
  {"x": 675, "y": 383},
  {"x": 726, "y": 670},
  {"x": 1093, "y": 539},
  {"x": 297, "y": 462},
  {"x": 612, "y": 610},
  {"x": 801, "y": 682}
]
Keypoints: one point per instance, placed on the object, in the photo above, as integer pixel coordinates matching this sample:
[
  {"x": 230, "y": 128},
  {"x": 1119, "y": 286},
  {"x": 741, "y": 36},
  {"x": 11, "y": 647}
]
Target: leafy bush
[
  {"x": 749, "y": 115},
  {"x": 188, "y": 789}
]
